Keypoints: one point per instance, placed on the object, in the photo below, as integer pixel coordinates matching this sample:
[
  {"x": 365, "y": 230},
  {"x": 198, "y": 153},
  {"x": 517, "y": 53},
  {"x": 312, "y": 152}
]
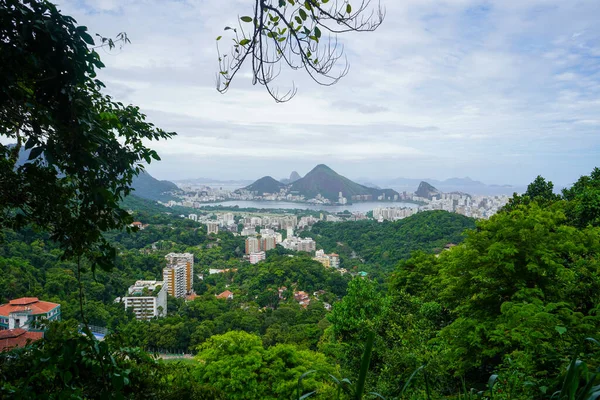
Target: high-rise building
[
  {"x": 147, "y": 299},
  {"x": 178, "y": 275},
  {"x": 212, "y": 227},
  {"x": 252, "y": 245},
  {"x": 267, "y": 242}
]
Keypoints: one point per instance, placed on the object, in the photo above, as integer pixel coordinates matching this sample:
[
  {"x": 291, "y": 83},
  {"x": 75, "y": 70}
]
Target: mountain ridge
[{"x": 324, "y": 181}]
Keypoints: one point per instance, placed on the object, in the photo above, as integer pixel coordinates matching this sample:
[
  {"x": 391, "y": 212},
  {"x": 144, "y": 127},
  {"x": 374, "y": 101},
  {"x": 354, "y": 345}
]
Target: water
[{"x": 362, "y": 207}]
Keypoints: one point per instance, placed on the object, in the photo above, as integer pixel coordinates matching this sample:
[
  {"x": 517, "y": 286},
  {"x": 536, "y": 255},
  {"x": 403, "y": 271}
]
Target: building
[
  {"x": 334, "y": 260},
  {"x": 147, "y": 299},
  {"x": 248, "y": 231},
  {"x": 307, "y": 245},
  {"x": 256, "y": 257},
  {"x": 193, "y": 217},
  {"x": 27, "y": 313},
  {"x": 212, "y": 227},
  {"x": 268, "y": 242},
  {"x": 178, "y": 275},
  {"x": 252, "y": 245},
  {"x": 18, "y": 337},
  {"x": 225, "y": 295}
]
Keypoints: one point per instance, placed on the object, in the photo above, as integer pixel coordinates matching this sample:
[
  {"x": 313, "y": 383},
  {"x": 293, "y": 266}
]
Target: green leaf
[
  {"x": 317, "y": 32},
  {"x": 348, "y": 8},
  {"x": 35, "y": 153},
  {"x": 303, "y": 14},
  {"x": 246, "y": 19},
  {"x": 244, "y": 42},
  {"x": 560, "y": 329},
  {"x": 219, "y": 37}
]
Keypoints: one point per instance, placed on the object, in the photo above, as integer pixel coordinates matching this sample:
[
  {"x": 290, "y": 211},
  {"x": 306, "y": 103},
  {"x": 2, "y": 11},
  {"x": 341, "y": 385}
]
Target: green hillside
[
  {"x": 325, "y": 181},
  {"x": 266, "y": 184},
  {"x": 148, "y": 187}
]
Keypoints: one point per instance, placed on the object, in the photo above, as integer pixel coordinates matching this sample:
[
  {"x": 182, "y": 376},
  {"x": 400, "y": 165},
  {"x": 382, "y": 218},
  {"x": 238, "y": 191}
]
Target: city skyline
[{"x": 497, "y": 91}]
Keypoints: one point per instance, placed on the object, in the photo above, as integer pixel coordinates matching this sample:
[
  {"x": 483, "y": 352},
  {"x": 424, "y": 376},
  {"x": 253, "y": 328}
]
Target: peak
[{"x": 322, "y": 166}]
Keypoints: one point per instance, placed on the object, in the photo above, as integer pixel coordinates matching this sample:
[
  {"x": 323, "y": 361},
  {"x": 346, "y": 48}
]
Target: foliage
[
  {"x": 382, "y": 245},
  {"x": 67, "y": 364},
  {"x": 242, "y": 368},
  {"x": 290, "y": 32},
  {"x": 84, "y": 148}
]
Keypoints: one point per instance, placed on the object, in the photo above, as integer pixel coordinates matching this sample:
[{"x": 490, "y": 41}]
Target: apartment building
[
  {"x": 178, "y": 275},
  {"x": 147, "y": 299}
]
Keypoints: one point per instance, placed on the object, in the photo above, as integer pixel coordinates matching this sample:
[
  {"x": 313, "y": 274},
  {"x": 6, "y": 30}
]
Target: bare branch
[{"x": 289, "y": 32}]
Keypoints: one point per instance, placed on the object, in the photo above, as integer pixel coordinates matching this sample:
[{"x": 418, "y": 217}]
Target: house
[
  {"x": 26, "y": 311},
  {"x": 139, "y": 225},
  {"x": 225, "y": 295},
  {"x": 18, "y": 337},
  {"x": 302, "y": 298}
]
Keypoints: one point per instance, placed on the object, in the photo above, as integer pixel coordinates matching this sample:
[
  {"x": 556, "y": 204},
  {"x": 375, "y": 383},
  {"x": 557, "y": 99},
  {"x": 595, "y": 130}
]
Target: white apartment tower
[
  {"x": 178, "y": 275},
  {"x": 147, "y": 299}
]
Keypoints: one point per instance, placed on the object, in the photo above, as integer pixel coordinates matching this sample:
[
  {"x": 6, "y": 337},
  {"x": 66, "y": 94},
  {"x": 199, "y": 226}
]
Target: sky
[{"x": 500, "y": 91}]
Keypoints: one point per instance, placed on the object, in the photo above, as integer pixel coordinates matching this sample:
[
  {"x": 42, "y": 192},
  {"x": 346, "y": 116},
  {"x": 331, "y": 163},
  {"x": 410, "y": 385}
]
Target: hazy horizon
[{"x": 497, "y": 91}]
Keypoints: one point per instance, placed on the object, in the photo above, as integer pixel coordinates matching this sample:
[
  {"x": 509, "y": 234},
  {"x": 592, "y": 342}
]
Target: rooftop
[
  {"x": 18, "y": 337},
  {"x": 33, "y": 304}
]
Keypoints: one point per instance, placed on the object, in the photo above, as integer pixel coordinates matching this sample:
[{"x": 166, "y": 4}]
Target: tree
[
  {"x": 583, "y": 198},
  {"x": 82, "y": 149},
  {"x": 540, "y": 191},
  {"x": 291, "y": 32}
]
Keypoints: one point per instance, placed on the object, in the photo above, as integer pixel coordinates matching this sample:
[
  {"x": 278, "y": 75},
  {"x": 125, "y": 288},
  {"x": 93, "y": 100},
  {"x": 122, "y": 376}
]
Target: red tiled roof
[
  {"x": 224, "y": 295},
  {"x": 12, "y": 338},
  {"x": 27, "y": 303},
  {"x": 23, "y": 301}
]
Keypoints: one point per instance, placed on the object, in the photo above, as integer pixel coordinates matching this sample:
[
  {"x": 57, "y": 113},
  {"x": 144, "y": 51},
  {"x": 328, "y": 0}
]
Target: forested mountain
[
  {"x": 382, "y": 245},
  {"x": 148, "y": 187},
  {"x": 266, "y": 184},
  {"x": 325, "y": 181}
]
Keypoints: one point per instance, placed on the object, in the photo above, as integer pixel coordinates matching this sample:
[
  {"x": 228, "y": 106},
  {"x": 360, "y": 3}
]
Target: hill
[
  {"x": 148, "y": 187},
  {"x": 382, "y": 245},
  {"x": 294, "y": 176},
  {"x": 427, "y": 191},
  {"x": 328, "y": 183},
  {"x": 266, "y": 184}
]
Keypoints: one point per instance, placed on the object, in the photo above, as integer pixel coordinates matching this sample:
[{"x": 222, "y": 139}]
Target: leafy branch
[{"x": 291, "y": 32}]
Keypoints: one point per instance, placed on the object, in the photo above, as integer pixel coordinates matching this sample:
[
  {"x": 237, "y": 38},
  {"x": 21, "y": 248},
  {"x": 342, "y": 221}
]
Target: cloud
[{"x": 442, "y": 88}]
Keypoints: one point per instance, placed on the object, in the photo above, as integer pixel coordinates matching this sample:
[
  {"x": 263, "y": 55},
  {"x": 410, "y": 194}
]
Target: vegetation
[
  {"x": 376, "y": 247},
  {"x": 280, "y": 32},
  {"x": 84, "y": 147},
  {"x": 150, "y": 188}
]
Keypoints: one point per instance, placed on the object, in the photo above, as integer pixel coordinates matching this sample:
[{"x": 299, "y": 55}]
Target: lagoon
[{"x": 362, "y": 207}]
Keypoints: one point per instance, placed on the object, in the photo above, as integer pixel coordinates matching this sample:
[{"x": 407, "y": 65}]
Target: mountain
[
  {"x": 148, "y": 187},
  {"x": 144, "y": 185},
  {"x": 328, "y": 183},
  {"x": 266, "y": 184},
  {"x": 464, "y": 185},
  {"x": 425, "y": 190},
  {"x": 294, "y": 176}
]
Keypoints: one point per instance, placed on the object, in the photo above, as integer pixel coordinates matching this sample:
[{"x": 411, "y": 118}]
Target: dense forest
[
  {"x": 510, "y": 311},
  {"x": 516, "y": 297}
]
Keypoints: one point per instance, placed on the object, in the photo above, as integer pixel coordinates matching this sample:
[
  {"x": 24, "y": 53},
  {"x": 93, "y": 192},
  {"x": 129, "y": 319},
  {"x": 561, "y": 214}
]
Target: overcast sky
[{"x": 499, "y": 91}]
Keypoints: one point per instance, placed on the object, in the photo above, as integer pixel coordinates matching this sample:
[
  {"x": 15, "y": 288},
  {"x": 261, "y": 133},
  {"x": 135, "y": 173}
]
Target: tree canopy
[{"x": 83, "y": 147}]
